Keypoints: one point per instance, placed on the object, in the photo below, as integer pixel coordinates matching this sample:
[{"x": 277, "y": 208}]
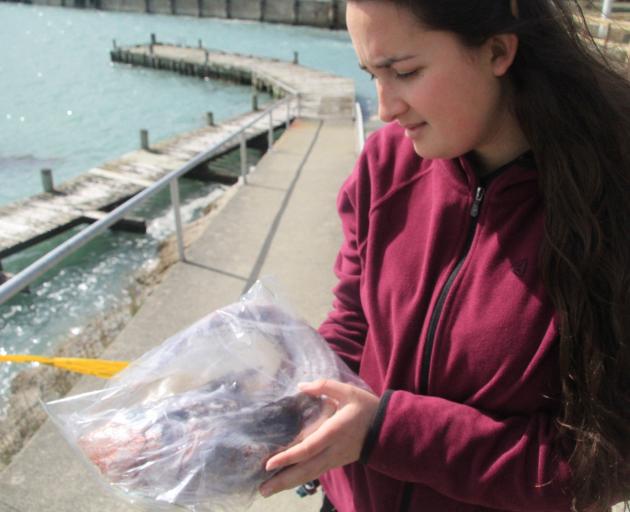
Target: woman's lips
[{"x": 413, "y": 129}]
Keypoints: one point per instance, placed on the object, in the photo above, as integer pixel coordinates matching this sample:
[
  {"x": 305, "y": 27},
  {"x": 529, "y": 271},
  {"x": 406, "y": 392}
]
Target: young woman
[{"x": 484, "y": 281}]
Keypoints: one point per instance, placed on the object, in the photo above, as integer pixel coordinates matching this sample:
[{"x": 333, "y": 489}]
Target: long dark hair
[{"x": 574, "y": 109}]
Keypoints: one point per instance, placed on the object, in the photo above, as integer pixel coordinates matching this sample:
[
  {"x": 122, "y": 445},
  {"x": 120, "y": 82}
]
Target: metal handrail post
[
  {"x": 360, "y": 128},
  {"x": 270, "y": 133},
  {"x": 178, "y": 218},
  {"x": 288, "y": 113},
  {"x": 604, "y": 27},
  {"x": 299, "y": 105},
  {"x": 243, "y": 158}
]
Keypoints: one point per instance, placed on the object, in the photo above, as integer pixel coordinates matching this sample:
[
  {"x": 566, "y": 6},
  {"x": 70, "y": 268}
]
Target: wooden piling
[
  {"x": 47, "y": 180},
  {"x": 3, "y": 277},
  {"x": 144, "y": 139}
]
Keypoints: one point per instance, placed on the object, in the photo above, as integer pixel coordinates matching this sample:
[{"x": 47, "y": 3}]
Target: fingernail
[
  {"x": 270, "y": 466},
  {"x": 265, "y": 492}
]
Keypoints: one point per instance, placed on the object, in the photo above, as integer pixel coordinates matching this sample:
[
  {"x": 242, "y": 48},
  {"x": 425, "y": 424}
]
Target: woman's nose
[{"x": 390, "y": 104}]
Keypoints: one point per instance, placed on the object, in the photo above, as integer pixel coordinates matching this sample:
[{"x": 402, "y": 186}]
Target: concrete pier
[{"x": 282, "y": 224}]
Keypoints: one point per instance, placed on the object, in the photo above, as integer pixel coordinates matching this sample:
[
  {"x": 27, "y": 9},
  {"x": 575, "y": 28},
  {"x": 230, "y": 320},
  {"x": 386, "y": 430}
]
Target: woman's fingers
[
  {"x": 331, "y": 388},
  {"x": 306, "y": 449},
  {"x": 336, "y": 442},
  {"x": 294, "y": 476}
]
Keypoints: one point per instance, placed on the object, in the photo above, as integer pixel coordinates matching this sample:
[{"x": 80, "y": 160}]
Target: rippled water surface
[{"x": 65, "y": 106}]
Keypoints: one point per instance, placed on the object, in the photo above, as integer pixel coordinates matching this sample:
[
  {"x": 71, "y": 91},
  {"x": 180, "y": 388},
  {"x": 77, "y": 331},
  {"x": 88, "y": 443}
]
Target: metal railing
[
  {"x": 21, "y": 280},
  {"x": 358, "y": 114}
]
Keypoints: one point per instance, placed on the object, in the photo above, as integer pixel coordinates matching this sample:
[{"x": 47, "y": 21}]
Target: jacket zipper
[
  {"x": 437, "y": 312},
  {"x": 435, "y": 316},
  {"x": 480, "y": 191},
  {"x": 405, "y": 502}
]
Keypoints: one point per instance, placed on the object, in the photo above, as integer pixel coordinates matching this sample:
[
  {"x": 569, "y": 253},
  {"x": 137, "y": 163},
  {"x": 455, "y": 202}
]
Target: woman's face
[{"x": 447, "y": 96}]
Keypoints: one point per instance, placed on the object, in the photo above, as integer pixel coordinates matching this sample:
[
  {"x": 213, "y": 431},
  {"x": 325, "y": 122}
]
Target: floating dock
[{"x": 90, "y": 196}]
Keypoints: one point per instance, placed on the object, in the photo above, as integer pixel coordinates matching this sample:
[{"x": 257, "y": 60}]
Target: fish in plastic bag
[{"x": 192, "y": 422}]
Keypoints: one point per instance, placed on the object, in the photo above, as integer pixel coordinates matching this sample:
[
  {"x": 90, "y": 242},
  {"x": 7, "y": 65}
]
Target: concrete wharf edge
[{"x": 284, "y": 223}]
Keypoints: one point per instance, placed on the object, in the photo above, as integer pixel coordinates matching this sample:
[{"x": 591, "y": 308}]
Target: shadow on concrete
[{"x": 218, "y": 271}]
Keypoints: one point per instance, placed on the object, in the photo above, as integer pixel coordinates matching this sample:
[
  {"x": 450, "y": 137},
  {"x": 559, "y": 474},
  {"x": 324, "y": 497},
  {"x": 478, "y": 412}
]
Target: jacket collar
[{"x": 522, "y": 168}]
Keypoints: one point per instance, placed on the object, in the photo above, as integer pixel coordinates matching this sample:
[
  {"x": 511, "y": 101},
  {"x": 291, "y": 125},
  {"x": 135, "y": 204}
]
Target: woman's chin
[{"x": 431, "y": 152}]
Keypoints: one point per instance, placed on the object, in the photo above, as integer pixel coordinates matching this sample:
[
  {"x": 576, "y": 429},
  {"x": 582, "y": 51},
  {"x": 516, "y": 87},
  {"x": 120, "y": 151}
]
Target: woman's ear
[{"x": 503, "y": 48}]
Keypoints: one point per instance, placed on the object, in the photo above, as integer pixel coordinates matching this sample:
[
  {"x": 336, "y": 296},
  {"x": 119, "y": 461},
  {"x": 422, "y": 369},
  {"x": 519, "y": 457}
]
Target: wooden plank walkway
[
  {"x": 86, "y": 198},
  {"x": 322, "y": 94}
]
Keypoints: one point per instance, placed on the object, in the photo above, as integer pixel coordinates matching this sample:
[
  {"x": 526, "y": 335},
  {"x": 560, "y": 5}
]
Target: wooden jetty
[
  {"x": 88, "y": 197},
  {"x": 91, "y": 195},
  {"x": 322, "y": 94}
]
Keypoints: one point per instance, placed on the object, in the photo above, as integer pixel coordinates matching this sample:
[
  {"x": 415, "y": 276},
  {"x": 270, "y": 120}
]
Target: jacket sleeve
[
  {"x": 504, "y": 463},
  {"x": 345, "y": 327}
]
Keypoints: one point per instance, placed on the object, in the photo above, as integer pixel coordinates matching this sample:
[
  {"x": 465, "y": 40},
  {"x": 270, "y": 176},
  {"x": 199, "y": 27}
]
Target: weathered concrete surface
[{"x": 284, "y": 223}]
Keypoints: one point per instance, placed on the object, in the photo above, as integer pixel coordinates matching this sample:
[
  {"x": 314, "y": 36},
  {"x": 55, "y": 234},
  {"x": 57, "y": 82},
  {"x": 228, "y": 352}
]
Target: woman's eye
[{"x": 408, "y": 74}]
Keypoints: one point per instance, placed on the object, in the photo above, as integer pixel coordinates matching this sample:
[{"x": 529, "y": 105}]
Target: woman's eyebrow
[{"x": 385, "y": 63}]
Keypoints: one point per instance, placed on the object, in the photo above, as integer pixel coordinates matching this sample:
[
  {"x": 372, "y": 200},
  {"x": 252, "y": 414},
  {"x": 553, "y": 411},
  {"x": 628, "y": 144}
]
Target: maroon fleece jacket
[{"x": 440, "y": 308}]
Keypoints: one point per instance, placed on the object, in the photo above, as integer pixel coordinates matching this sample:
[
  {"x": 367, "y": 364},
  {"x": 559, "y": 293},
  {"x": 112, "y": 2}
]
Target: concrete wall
[
  {"x": 123, "y": 5},
  {"x": 187, "y": 7},
  {"x": 314, "y": 12},
  {"x": 159, "y": 6},
  {"x": 279, "y": 11},
  {"x": 243, "y": 9},
  {"x": 318, "y": 13},
  {"x": 214, "y": 8},
  {"x": 47, "y": 2},
  {"x": 340, "y": 11}
]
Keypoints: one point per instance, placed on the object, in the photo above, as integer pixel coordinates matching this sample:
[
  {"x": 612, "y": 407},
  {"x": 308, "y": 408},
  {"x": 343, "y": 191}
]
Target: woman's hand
[{"x": 338, "y": 441}]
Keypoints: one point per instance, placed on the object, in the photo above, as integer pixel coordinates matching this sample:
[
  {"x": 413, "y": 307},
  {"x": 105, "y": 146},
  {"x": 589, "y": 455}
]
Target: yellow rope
[{"x": 96, "y": 367}]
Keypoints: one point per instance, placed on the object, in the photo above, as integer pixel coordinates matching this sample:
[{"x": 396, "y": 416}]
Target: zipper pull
[{"x": 474, "y": 210}]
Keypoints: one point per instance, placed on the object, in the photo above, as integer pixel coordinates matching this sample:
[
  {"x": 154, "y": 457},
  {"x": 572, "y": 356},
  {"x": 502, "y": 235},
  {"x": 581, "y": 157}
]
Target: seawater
[{"x": 65, "y": 106}]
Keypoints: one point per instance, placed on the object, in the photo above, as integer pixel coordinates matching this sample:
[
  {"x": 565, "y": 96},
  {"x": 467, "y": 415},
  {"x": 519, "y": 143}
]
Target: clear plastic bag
[{"x": 192, "y": 422}]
